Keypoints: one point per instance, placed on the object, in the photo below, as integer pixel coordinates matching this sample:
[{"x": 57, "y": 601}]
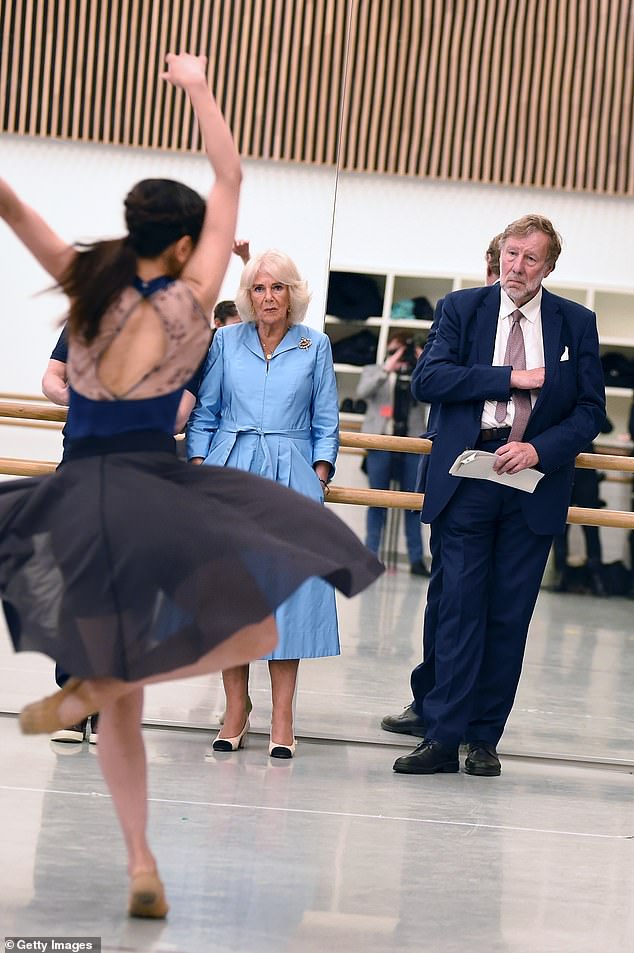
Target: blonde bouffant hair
[{"x": 281, "y": 268}]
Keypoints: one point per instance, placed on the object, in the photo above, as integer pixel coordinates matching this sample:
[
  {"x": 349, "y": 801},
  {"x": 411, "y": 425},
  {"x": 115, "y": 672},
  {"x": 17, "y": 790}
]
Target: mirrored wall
[{"x": 385, "y": 140}]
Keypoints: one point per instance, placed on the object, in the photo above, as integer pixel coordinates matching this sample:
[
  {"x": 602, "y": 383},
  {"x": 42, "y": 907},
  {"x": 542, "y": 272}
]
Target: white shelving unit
[
  {"x": 392, "y": 287},
  {"x": 615, "y": 315}
]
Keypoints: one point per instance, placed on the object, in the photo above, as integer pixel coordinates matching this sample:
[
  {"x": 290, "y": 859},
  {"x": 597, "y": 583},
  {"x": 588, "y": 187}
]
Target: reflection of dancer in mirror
[{"x": 127, "y": 566}]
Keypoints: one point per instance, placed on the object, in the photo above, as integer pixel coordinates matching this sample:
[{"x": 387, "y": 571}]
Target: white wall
[
  {"x": 79, "y": 188},
  {"x": 409, "y": 225}
]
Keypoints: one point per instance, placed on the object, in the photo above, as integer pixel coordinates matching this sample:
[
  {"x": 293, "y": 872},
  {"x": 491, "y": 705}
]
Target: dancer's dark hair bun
[
  {"x": 160, "y": 211},
  {"x": 157, "y": 213}
]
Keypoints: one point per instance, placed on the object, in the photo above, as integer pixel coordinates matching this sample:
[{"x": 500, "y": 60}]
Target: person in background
[
  {"x": 268, "y": 404},
  {"x": 392, "y": 410},
  {"x": 492, "y": 258},
  {"x": 225, "y": 313},
  {"x": 55, "y": 379}
]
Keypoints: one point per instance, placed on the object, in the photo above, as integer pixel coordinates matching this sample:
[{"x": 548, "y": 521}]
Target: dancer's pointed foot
[
  {"x": 147, "y": 896},
  {"x": 44, "y": 718}
]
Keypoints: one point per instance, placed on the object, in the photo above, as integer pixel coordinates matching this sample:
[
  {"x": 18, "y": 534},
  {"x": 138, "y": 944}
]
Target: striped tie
[{"x": 515, "y": 355}]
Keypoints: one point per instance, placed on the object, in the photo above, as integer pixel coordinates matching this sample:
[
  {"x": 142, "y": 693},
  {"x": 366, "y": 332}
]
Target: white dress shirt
[{"x": 531, "y": 326}]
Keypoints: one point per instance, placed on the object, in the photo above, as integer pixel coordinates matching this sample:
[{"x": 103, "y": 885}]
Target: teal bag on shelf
[{"x": 403, "y": 309}]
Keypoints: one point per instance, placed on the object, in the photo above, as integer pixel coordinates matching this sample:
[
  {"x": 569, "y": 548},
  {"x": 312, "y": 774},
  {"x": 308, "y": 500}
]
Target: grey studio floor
[{"x": 332, "y": 851}]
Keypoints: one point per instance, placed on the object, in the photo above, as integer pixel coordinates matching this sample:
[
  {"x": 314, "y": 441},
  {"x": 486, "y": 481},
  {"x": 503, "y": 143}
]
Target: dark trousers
[
  {"x": 423, "y": 677},
  {"x": 383, "y": 466},
  {"x": 491, "y": 570}
]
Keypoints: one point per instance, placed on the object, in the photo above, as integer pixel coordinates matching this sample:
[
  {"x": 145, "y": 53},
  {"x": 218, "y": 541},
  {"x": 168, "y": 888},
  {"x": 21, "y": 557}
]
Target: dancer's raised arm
[
  {"x": 54, "y": 254},
  {"x": 206, "y": 268}
]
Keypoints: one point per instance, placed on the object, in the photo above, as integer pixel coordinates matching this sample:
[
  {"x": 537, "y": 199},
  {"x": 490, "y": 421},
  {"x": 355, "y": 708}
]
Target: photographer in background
[{"x": 391, "y": 410}]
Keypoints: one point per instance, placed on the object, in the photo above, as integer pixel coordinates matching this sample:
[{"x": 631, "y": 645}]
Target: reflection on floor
[
  {"x": 575, "y": 698},
  {"x": 333, "y": 852},
  {"x": 329, "y": 852}
]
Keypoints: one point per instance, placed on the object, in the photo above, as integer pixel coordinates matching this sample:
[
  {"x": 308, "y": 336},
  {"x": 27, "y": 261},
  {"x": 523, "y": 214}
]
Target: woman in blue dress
[
  {"x": 128, "y": 566},
  {"x": 268, "y": 404}
]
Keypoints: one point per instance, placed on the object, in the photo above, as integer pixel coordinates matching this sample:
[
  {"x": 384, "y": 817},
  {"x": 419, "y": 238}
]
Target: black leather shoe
[
  {"x": 482, "y": 760},
  {"x": 407, "y": 723},
  {"x": 430, "y": 757},
  {"x": 419, "y": 569}
]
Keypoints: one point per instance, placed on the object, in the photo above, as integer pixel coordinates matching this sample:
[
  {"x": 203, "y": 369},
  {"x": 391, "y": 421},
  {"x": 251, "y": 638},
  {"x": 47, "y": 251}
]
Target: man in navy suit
[{"x": 537, "y": 410}]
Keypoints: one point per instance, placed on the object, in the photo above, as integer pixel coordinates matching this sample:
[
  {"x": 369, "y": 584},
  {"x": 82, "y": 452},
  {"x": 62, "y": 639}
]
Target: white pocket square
[{"x": 565, "y": 356}]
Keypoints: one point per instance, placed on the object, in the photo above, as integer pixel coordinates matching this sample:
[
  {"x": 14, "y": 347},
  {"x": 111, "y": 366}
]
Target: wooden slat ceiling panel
[
  {"x": 87, "y": 70},
  {"x": 516, "y": 92}
]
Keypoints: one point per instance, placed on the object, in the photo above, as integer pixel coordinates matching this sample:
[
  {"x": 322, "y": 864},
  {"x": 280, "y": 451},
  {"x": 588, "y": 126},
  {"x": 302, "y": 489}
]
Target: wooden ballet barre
[
  {"x": 584, "y": 516},
  {"x": 392, "y": 499},
  {"x": 397, "y": 499},
  {"x": 22, "y": 411},
  {"x": 361, "y": 441},
  {"x": 26, "y": 467},
  {"x": 371, "y": 441},
  {"x": 374, "y": 441},
  {"x": 604, "y": 461}
]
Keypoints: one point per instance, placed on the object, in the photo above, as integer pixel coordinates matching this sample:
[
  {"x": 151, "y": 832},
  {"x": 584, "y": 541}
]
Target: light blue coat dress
[{"x": 275, "y": 418}]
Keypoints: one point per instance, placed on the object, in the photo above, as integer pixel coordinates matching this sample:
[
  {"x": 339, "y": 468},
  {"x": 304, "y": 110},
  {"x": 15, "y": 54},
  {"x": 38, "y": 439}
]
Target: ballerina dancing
[{"x": 128, "y": 566}]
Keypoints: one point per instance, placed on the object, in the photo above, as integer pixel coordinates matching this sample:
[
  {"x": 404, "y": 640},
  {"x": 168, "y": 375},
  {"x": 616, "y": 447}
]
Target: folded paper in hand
[{"x": 478, "y": 464}]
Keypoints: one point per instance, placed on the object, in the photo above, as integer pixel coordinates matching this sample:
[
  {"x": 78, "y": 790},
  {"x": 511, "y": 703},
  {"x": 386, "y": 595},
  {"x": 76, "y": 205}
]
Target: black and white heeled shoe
[
  {"x": 282, "y": 751},
  {"x": 230, "y": 744}
]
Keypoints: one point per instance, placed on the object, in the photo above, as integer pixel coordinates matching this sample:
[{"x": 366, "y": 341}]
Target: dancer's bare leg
[
  {"x": 235, "y": 681},
  {"x": 72, "y": 704},
  {"x": 123, "y": 764},
  {"x": 283, "y": 673}
]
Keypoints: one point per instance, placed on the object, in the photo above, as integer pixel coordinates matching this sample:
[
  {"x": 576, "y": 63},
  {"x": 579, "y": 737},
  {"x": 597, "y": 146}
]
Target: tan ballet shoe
[
  {"x": 147, "y": 896},
  {"x": 42, "y": 718}
]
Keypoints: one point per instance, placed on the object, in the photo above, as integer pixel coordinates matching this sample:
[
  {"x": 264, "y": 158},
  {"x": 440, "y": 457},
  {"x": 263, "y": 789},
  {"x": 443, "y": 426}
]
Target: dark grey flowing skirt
[{"x": 133, "y": 564}]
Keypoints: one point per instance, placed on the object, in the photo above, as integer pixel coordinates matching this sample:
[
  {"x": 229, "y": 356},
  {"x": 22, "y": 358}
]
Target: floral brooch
[{"x": 304, "y": 343}]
